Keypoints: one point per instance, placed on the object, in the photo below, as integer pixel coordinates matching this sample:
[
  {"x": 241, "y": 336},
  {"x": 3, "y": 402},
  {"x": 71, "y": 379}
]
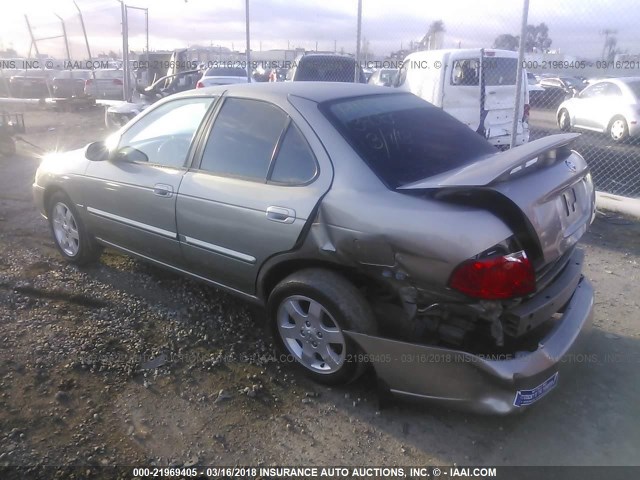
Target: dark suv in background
[{"x": 316, "y": 67}]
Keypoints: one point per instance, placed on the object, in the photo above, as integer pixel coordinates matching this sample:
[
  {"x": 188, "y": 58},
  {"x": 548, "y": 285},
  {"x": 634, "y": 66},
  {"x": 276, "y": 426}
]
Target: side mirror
[
  {"x": 129, "y": 154},
  {"x": 96, "y": 152}
]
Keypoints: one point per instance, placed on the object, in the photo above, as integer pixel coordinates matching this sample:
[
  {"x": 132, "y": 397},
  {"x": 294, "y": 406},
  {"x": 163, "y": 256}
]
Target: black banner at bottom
[{"x": 90, "y": 472}]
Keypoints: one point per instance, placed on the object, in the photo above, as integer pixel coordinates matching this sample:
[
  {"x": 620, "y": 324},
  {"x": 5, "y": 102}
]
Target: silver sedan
[{"x": 376, "y": 230}]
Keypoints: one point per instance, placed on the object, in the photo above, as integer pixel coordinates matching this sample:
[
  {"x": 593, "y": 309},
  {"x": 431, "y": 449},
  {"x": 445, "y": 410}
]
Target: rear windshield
[
  {"x": 403, "y": 138},
  {"x": 83, "y": 74},
  {"x": 105, "y": 74},
  {"x": 226, "y": 72},
  {"x": 327, "y": 69},
  {"x": 500, "y": 71}
]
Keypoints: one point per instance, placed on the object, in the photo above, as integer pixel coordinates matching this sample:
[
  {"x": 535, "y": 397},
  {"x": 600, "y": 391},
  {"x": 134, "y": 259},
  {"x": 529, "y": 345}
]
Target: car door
[
  {"x": 588, "y": 105},
  {"x": 499, "y": 74},
  {"x": 461, "y": 89},
  {"x": 611, "y": 102},
  {"x": 131, "y": 198},
  {"x": 254, "y": 188}
]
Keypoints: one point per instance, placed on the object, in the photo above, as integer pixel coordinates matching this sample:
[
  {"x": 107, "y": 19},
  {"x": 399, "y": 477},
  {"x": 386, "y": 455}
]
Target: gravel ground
[{"x": 123, "y": 363}]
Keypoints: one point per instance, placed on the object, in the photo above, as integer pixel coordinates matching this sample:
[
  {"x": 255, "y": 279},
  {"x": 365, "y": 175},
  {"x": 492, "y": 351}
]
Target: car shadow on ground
[{"x": 603, "y": 384}]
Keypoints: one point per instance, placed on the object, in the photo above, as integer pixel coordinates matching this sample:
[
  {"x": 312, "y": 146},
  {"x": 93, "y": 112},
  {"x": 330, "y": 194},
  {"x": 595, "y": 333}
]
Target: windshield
[
  {"x": 572, "y": 82},
  {"x": 404, "y": 139}
]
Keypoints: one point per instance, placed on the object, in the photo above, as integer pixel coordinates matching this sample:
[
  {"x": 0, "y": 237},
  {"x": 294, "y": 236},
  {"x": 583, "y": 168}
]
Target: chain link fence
[{"x": 580, "y": 68}]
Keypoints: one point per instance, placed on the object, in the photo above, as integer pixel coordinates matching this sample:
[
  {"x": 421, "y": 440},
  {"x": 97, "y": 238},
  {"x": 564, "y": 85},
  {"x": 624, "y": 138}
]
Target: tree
[
  {"x": 506, "y": 41},
  {"x": 537, "y": 38}
]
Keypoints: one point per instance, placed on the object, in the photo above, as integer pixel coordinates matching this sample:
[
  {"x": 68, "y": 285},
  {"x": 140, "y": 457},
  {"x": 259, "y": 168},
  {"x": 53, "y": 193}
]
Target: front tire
[
  {"x": 308, "y": 312},
  {"x": 72, "y": 240},
  {"x": 564, "y": 120},
  {"x": 618, "y": 129}
]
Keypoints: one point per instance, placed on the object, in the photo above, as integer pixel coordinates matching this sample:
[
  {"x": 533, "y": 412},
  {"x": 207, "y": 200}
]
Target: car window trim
[
  {"x": 187, "y": 162},
  {"x": 197, "y": 162},
  {"x": 276, "y": 149},
  {"x": 274, "y": 160}
]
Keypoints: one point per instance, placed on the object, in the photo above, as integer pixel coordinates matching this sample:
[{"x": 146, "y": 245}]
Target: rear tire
[
  {"x": 308, "y": 311},
  {"x": 618, "y": 130},
  {"x": 564, "y": 120},
  {"x": 72, "y": 239}
]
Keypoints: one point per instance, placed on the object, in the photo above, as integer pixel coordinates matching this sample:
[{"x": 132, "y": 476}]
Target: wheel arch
[
  {"x": 273, "y": 274},
  {"x": 49, "y": 192}
]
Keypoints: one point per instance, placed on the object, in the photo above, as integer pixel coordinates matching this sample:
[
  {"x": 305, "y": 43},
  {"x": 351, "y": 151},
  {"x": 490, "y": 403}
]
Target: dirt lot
[{"x": 122, "y": 363}]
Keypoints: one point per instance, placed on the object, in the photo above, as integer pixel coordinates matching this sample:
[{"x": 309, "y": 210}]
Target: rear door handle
[
  {"x": 163, "y": 190},
  {"x": 281, "y": 214}
]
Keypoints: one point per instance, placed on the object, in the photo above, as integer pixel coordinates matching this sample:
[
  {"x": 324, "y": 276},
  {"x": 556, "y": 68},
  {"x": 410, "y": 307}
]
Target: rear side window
[
  {"x": 295, "y": 163},
  {"x": 635, "y": 88},
  {"x": 500, "y": 71},
  {"x": 243, "y": 139},
  {"x": 403, "y": 138}
]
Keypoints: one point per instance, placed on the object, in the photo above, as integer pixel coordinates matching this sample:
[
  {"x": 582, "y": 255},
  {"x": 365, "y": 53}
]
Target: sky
[{"x": 575, "y": 26}]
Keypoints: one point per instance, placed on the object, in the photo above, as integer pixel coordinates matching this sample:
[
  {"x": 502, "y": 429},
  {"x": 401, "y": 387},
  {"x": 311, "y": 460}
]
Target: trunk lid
[{"x": 542, "y": 189}]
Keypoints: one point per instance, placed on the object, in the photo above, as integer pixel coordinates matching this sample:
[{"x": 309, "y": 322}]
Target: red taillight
[
  {"x": 495, "y": 278},
  {"x": 525, "y": 116},
  {"x": 117, "y": 81},
  {"x": 199, "y": 85}
]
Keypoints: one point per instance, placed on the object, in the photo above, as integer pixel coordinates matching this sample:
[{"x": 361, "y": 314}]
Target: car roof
[
  {"x": 616, "y": 80},
  {"x": 315, "y": 91}
]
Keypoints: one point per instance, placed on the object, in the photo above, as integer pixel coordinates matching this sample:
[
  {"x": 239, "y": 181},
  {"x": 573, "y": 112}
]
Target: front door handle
[
  {"x": 163, "y": 190},
  {"x": 281, "y": 214}
]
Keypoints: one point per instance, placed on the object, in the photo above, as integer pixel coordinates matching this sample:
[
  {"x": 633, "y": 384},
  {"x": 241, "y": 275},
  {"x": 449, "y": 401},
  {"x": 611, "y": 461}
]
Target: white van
[{"x": 476, "y": 86}]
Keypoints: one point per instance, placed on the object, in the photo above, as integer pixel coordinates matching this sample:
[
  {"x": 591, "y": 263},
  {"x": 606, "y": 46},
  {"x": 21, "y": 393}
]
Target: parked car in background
[
  {"x": 319, "y": 202},
  {"x": 535, "y": 90},
  {"x": 108, "y": 83},
  {"x": 556, "y": 90},
  {"x": 383, "y": 77},
  {"x": 32, "y": 83},
  {"x": 319, "y": 67},
  {"x": 70, "y": 83},
  {"x": 118, "y": 115},
  {"x": 5, "y": 77},
  {"x": 222, "y": 76},
  {"x": 476, "y": 86},
  {"x": 609, "y": 106}
]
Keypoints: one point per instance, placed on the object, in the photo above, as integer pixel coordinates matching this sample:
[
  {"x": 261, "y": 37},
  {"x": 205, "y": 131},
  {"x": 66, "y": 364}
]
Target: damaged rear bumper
[{"x": 470, "y": 382}]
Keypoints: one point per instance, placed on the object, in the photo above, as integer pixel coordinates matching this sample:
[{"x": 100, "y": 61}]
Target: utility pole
[
  {"x": 356, "y": 76},
  {"x": 86, "y": 39},
  {"x": 125, "y": 51},
  {"x": 64, "y": 34},
  {"x": 519, "y": 85},
  {"x": 246, "y": 13}
]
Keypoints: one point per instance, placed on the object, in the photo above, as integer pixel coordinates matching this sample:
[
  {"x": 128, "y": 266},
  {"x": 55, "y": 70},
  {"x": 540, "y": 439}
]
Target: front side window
[
  {"x": 164, "y": 135},
  {"x": 243, "y": 139},
  {"x": 596, "y": 90}
]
